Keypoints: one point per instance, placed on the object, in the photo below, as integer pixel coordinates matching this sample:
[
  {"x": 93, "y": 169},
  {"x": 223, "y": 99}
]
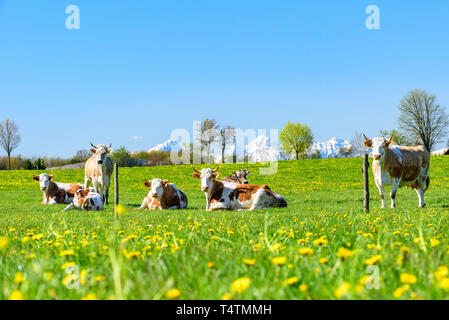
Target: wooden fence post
[
  {"x": 116, "y": 192},
  {"x": 365, "y": 183}
]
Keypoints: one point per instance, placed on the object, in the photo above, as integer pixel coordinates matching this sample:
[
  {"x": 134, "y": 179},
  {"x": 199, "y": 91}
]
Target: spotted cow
[
  {"x": 163, "y": 195},
  {"x": 56, "y": 192},
  {"x": 230, "y": 196},
  {"x": 86, "y": 200},
  {"x": 399, "y": 166}
]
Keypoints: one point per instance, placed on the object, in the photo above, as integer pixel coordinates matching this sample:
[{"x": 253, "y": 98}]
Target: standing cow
[
  {"x": 399, "y": 166},
  {"x": 98, "y": 170}
]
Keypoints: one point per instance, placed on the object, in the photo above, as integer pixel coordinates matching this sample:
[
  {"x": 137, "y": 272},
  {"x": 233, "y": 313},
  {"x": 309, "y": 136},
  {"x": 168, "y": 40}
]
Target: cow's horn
[
  {"x": 92, "y": 145},
  {"x": 195, "y": 169},
  {"x": 110, "y": 145},
  {"x": 216, "y": 169},
  {"x": 365, "y": 136}
]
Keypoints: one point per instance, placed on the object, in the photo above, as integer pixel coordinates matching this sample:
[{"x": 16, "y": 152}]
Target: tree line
[{"x": 421, "y": 121}]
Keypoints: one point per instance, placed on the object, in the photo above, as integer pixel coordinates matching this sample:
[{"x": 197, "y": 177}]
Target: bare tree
[
  {"x": 9, "y": 138},
  {"x": 422, "y": 119},
  {"x": 358, "y": 148},
  {"x": 83, "y": 155},
  {"x": 346, "y": 151},
  {"x": 208, "y": 132},
  {"x": 227, "y": 134}
]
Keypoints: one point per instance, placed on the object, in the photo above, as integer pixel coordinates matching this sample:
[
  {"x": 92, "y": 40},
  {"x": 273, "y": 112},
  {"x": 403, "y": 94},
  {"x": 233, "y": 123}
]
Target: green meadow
[{"x": 322, "y": 246}]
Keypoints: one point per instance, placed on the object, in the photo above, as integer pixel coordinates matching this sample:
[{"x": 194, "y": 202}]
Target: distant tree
[
  {"x": 208, "y": 133},
  {"x": 9, "y": 138},
  {"x": 39, "y": 164},
  {"x": 316, "y": 154},
  {"x": 122, "y": 157},
  {"x": 82, "y": 155},
  {"x": 346, "y": 151},
  {"x": 227, "y": 134},
  {"x": 28, "y": 165},
  {"x": 296, "y": 139},
  {"x": 397, "y": 136},
  {"x": 422, "y": 118},
  {"x": 358, "y": 147}
]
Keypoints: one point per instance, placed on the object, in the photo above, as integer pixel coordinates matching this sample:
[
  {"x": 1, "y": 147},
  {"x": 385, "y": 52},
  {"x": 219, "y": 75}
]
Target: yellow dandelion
[
  {"x": 172, "y": 293},
  {"x": 305, "y": 251},
  {"x": 90, "y": 296},
  {"x": 226, "y": 296},
  {"x": 67, "y": 264},
  {"x": 303, "y": 287},
  {"x": 249, "y": 262},
  {"x": 65, "y": 253},
  {"x": 290, "y": 281},
  {"x": 3, "y": 242},
  {"x": 15, "y": 295},
  {"x": 434, "y": 242},
  {"x": 279, "y": 260},
  {"x": 324, "y": 260},
  {"x": 373, "y": 260},
  {"x": 210, "y": 264},
  {"x": 442, "y": 272},
  {"x": 344, "y": 253},
  {"x": 19, "y": 277},
  {"x": 342, "y": 290},
  {"x": 407, "y": 278},
  {"x": 240, "y": 285}
]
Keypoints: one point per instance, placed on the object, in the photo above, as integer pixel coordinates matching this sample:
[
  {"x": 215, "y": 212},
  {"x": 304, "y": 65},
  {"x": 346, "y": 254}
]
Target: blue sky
[{"x": 144, "y": 68}]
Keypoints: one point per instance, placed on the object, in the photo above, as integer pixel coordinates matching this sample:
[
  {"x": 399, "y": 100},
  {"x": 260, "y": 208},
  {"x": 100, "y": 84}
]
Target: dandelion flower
[
  {"x": 305, "y": 251},
  {"x": 15, "y": 295},
  {"x": 279, "y": 260},
  {"x": 407, "y": 278},
  {"x": 290, "y": 281},
  {"x": 342, "y": 290},
  {"x": 249, "y": 262},
  {"x": 240, "y": 285},
  {"x": 173, "y": 293}
]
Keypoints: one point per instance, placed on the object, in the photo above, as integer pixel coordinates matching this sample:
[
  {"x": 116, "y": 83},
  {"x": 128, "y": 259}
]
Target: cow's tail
[{"x": 427, "y": 182}]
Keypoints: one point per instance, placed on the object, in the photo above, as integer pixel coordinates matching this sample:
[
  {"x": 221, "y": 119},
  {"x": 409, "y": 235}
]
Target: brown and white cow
[
  {"x": 399, "y": 166},
  {"x": 86, "y": 200},
  {"x": 98, "y": 170},
  {"x": 230, "y": 196},
  {"x": 56, "y": 192},
  {"x": 238, "y": 177},
  {"x": 163, "y": 195}
]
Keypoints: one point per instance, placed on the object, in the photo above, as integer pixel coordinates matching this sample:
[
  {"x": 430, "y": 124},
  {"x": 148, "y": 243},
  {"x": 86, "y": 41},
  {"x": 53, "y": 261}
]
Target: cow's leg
[
  {"x": 106, "y": 184},
  {"x": 69, "y": 207},
  {"x": 381, "y": 192},
  {"x": 144, "y": 204},
  {"x": 394, "y": 189},
  {"x": 420, "y": 192}
]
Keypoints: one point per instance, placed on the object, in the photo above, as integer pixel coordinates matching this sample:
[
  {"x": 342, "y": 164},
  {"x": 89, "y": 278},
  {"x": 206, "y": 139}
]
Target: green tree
[
  {"x": 122, "y": 156},
  {"x": 422, "y": 119},
  {"x": 296, "y": 139},
  {"x": 397, "y": 136}
]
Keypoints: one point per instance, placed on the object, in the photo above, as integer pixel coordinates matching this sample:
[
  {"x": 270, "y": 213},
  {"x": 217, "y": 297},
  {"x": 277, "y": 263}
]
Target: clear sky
[{"x": 144, "y": 68}]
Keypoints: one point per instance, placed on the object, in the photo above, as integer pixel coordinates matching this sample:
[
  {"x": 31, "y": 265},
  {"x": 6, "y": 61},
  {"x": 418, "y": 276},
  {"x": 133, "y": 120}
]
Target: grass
[{"x": 194, "y": 254}]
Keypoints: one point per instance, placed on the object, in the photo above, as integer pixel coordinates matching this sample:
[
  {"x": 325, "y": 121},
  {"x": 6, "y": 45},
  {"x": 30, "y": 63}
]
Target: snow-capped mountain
[
  {"x": 331, "y": 148},
  {"x": 168, "y": 145},
  {"x": 261, "y": 149},
  {"x": 440, "y": 152}
]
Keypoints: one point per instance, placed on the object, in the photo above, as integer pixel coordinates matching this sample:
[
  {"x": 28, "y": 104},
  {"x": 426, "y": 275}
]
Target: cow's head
[
  {"x": 379, "y": 145},
  {"x": 240, "y": 176},
  {"x": 101, "y": 152},
  {"x": 157, "y": 187},
  {"x": 44, "y": 180},
  {"x": 207, "y": 176},
  {"x": 81, "y": 194}
]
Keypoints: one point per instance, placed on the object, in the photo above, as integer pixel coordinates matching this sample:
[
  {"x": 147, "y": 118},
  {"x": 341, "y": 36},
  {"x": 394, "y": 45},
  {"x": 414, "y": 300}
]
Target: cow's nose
[
  {"x": 245, "y": 182},
  {"x": 377, "y": 157},
  {"x": 204, "y": 189},
  {"x": 100, "y": 161}
]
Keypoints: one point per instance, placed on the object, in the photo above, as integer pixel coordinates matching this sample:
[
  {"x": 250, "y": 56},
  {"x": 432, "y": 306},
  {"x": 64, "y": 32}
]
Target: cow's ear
[
  {"x": 248, "y": 173},
  {"x": 388, "y": 142},
  {"x": 36, "y": 178},
  {"x": 165, "y": 183},
  {"x": 147, "y": 184},
  {"x": 110, "y": 150},
  {"x": 93, "y": 150},
  {"x": 196, "y": 175},
  {"x": 216, "y": 174},
  {"x": 51, "y": 176},
  {"x": 368, "y": 143}
]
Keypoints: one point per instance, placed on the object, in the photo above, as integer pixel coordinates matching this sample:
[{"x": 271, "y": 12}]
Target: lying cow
[
  {"x": 163, "y": 195},
  {"x": 238, "y": 177},
  {"x": 86, "y": 200},
  {"x": 227, "y": 196},
  {"x": 399, "y": 166},
  {"x": 56, "y": 192}
]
